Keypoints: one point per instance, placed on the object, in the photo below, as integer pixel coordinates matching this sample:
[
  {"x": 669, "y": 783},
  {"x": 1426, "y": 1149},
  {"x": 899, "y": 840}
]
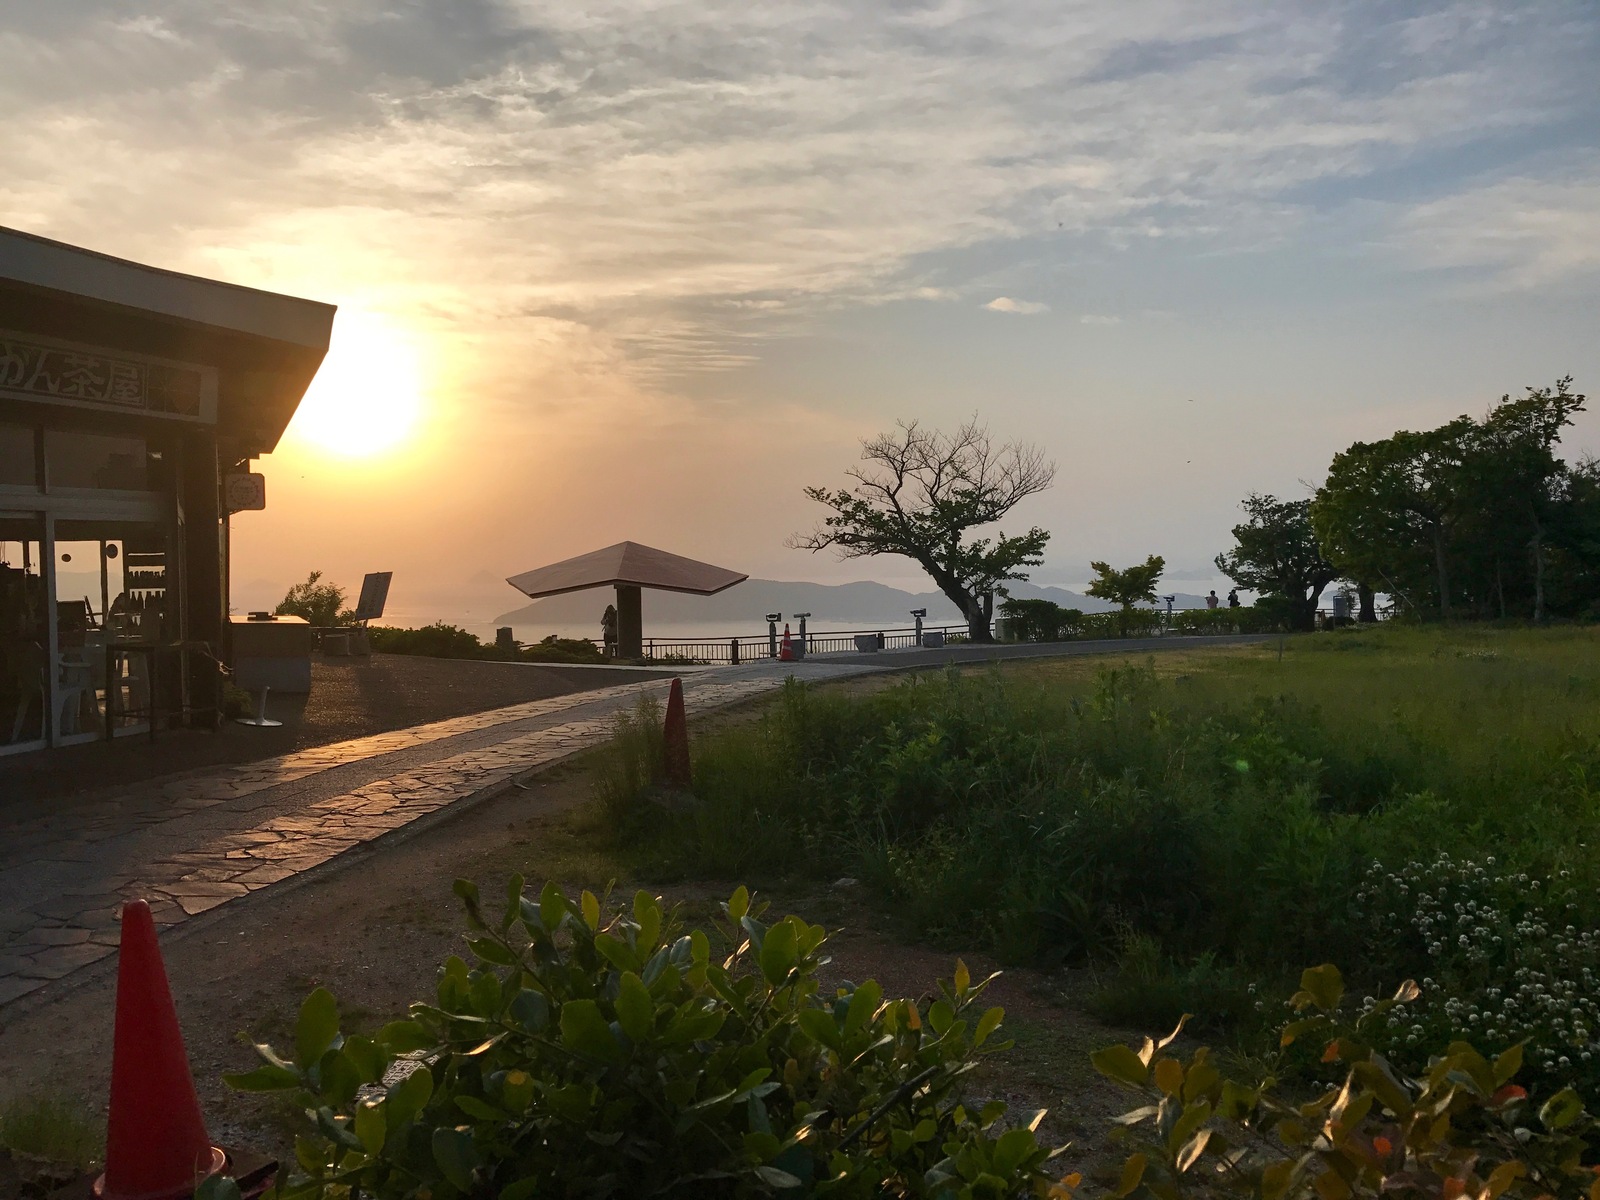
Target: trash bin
[
  {"x": 933, "y": 639},
  {"x": 866, "y": 642}
]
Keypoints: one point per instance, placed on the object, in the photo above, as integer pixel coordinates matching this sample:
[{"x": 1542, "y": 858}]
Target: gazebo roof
[{"x": 626, "y": 563}]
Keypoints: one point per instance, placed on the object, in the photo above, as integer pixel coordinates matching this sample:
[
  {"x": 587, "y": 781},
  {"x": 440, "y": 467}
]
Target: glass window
[
  {"x": 96, "y": 460},
  {"x": 18, "y": 465}
]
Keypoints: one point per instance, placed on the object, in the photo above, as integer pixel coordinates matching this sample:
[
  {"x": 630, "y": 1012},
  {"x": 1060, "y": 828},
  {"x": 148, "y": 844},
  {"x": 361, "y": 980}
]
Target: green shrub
[
  {"x": 585, "y": 1057},
  {"x": 438, "y": 640},
  {"x": 58, "y": 1130}
]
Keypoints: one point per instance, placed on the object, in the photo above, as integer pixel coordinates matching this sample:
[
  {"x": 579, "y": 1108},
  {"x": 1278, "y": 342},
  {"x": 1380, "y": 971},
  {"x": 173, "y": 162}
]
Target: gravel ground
[{"x": 350, "y": 698}]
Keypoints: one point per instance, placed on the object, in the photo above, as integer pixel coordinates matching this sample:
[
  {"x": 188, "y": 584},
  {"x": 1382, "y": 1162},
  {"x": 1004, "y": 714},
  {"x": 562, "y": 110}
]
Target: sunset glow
[{"x": 367, "y": 398}]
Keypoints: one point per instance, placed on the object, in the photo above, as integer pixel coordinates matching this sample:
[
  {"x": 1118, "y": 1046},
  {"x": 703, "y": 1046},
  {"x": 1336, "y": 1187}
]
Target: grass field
[{"x": 1404, "y": 802}]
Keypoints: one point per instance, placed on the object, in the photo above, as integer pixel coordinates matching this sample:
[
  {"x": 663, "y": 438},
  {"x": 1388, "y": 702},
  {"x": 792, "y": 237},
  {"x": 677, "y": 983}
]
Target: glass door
[
  {"x": 110, "y": 581},
  {"x": 24, "y": 634}
]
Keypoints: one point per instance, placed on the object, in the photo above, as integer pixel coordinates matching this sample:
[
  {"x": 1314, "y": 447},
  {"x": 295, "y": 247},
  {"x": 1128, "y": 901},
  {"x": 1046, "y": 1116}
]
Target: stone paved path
[{"x": 194, "y": 842}]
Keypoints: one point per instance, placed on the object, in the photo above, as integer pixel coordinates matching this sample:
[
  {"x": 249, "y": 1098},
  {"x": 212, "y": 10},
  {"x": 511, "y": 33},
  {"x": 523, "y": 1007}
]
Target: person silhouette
[
  {"x": 1211, "y": 600},
  {"x": 608, "y": 630},
  {"x": 1233, "y": 598}
]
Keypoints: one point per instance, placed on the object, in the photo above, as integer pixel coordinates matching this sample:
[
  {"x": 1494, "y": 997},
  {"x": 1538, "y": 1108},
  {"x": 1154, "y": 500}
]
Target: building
[{"x": 132, "y": 401}]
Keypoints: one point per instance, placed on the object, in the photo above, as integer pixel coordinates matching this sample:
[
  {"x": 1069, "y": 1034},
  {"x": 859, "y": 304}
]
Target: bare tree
[{"x": 919, "y": 492}]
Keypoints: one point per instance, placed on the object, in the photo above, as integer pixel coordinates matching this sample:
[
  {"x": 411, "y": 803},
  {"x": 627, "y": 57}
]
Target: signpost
[
  {"x": 374, "y": 595},
  {"x": 245, "y": 491}
]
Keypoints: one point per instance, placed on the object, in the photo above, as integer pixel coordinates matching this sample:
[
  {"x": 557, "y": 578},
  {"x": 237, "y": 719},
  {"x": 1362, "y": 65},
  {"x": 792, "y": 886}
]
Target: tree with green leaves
[
  {"x": 920, "y": 494},
  {"x": 1127, "y": 587},
  {"x": 1389, "y": 510},
  {"x": 321, "y": 604},
  {"x": 1277, "y": 555}
]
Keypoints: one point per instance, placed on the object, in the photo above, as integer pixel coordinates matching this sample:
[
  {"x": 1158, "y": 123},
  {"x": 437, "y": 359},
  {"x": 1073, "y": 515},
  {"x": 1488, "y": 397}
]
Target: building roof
[
  {"x": 266, "y": 346},
  {"x": 626, "y": 563}
]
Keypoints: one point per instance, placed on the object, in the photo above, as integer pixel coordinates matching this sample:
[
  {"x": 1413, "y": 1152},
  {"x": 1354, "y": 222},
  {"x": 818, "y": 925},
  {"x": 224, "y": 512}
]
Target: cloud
[
  {"x": 1005, "y": 304},
  {"x": 638, "y": 162},
  {"x": 1522, "y": 233},
  {"x": 1099, "y": 319}
]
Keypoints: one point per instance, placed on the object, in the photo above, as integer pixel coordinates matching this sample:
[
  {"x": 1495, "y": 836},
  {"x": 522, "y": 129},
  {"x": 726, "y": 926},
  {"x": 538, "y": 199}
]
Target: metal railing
[{"x": 753, "y": 648}]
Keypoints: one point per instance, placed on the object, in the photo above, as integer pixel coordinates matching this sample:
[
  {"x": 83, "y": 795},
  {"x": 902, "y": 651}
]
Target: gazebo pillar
[{"x": 630, "y": 621}]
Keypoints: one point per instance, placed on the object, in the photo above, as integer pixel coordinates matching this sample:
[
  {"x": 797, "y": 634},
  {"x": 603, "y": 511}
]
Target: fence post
[{"x": 733, "y": 651}]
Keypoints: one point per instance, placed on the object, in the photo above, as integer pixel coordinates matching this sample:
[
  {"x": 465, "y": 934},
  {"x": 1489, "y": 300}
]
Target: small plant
[
  {"x": 1509, "y": 960},
  {"x": 1460, "y": 1129},
  {"x": 586, "y": 1057},
  {"x": 631, "y": 763},
  {"x": 321, "y": 604},
  {"x": 51, "y": 1128}
]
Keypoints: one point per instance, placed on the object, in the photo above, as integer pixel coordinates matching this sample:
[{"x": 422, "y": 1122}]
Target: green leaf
[
  {"x": 591, "y": 910},
  {"x": 820, "y": 1026},
  {"x": 635, "y": 1010},
  {"x": 408, "y": 1097},
  {"x": 1561, "y": 1110},
  {"x": 1121, "y": 1063},
  {"x": 987, "y": 1024},
  {"x": 647, "y": 912},
  {"x": 941, "y": 1016},
  {"x": 1193, "y": 1149},
  {"x": 457, "y": 1158},
  {"x": 552, "y": 907},
  {"x": 404, "y": 1037},
  {"x": 1507, "y": 1065},
  {"x": 773, "y": 1177},
  {"x": 481, "y": 1110},
  {"x": 738, "y": 904},
  {"x": 317, "y": 1027},
  {"x": 371, "y": 1126},
  {"x": 863, "y": 1004},
  {"x": 531, "y": 1010},
  {"x": 1132, "y": 1170},
  {"x": 513, "y": 902},
  {"x": 616, "y": 952},
  {"x": 585, "y": 1031},
  {"x": 1324, "y": 985},
  {"x": 522, "y": 1189},
  {"x": 1012, "y": 1149},
  {"x": 779, "y": 950},
  {"x": 490, "y": 950},
  {"x": 265, "y": 1078}
]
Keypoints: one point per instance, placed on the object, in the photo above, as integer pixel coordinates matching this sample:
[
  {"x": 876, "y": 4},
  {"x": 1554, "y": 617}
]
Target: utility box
[
  {"x": 933, "y": 639},
  {"x": 271, "y": 652}
]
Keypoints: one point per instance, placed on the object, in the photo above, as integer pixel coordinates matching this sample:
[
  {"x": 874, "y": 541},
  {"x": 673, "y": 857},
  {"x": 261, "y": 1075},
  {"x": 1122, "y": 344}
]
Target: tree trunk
[
  {"x": 1369, "y": 604},
  {"x": 1444, "y": 573},
  {"x": 1538, "y": 572}
]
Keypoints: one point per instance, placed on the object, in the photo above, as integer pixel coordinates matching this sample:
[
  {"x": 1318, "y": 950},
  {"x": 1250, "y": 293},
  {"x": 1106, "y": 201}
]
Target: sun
[{"x": 367, "y": 396}]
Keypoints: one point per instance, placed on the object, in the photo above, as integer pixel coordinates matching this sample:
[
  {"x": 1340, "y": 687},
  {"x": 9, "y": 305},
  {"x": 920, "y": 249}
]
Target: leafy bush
[
  {"x": 1460, "y": 1128},
  {"x": 1041, "y": 620},
  {"x": 584, "y": 1057},
  {"x": 440, "y": 640},
  {"x": 319, "y": 603}
]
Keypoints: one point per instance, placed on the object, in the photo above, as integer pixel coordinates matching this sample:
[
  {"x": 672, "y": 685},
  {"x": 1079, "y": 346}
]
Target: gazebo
[{"x": 630, "y": 568}]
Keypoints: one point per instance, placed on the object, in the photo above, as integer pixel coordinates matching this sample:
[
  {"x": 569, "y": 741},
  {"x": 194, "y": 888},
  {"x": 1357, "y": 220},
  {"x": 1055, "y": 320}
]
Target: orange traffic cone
[
  {"x": 157, "y": 1147},
  {"x": 786, "y": 650},
  {"x": 675, "y": 739}
]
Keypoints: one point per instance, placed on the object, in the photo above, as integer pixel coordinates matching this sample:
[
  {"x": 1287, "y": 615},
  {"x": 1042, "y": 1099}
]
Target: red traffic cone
[
  {"x": 157, "y": 1147},
  {"x": 675, "y": 739},
  {"x": 786, "y": 651}
]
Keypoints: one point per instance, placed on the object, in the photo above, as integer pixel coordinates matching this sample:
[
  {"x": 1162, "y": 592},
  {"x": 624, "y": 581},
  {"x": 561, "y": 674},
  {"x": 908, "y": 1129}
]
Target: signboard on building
[
  {"x": 374, "y": 595},
  {"x": 245, "y": 491},
  {"x": 46, "y": 371}
]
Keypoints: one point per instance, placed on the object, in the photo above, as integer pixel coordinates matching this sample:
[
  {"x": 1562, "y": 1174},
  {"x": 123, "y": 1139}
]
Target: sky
[{"x": 643, "y": 270}]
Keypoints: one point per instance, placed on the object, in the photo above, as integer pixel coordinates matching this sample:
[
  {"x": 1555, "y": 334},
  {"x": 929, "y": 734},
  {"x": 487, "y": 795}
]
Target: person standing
[
  {"x": 1211, "y": 600},
  {"x": 1233, "y": 598},
  {"x": 608, "y": 630}
]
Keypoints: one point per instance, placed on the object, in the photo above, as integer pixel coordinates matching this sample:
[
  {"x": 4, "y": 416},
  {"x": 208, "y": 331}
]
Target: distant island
[{"x": 744, "y": 605}]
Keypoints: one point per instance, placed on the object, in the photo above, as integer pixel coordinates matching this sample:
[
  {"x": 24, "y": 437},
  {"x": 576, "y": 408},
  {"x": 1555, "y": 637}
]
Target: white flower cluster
[{"x": 1507, "y": 961}]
